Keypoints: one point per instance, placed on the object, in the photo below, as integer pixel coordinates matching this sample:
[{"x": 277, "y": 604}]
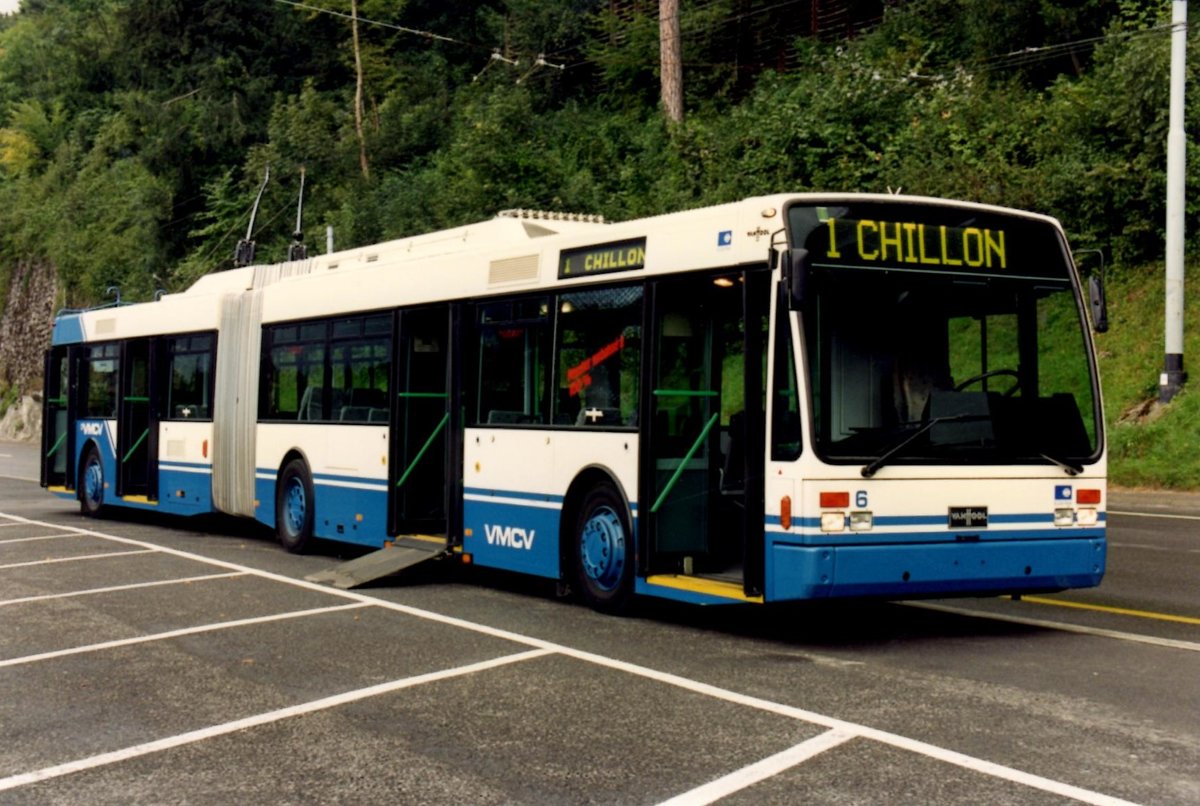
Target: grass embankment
[{"x": 1149, "y": 445}]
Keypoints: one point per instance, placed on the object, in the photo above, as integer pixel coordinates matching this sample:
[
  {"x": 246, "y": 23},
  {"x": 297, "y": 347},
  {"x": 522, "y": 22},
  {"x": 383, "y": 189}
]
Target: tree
[{"x": 671, "y": 59}]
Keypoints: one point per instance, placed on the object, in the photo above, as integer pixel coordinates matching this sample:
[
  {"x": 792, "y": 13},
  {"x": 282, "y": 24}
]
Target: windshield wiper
[
  {"x": 873, "y": 467},
  {"x": 1068, "y": 468}
]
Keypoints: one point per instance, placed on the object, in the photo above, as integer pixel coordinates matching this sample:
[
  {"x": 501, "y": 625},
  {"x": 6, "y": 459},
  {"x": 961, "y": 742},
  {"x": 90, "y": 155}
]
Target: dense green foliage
[{"x": 134, "y": 133}]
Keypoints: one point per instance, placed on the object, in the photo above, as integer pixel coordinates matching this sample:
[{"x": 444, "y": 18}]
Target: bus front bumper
[{"x": 934, "y": 569}]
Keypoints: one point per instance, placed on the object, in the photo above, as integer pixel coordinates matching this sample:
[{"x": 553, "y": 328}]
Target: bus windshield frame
[{"x": 944, "y": 334}]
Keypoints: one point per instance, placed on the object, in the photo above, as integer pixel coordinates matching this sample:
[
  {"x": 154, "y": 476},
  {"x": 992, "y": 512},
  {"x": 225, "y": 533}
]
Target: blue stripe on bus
[
  {"x": 927, "y": 520},
  {"x": 541, "y": 497}
]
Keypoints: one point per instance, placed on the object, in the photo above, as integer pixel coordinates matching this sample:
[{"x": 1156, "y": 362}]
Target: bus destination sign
[
  {"x": 602, "y": 259},
  {"x": 908, "y": 243}
]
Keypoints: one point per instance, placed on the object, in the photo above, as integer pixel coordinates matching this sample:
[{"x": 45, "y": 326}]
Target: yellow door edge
[{"x": 709, "y": 587}]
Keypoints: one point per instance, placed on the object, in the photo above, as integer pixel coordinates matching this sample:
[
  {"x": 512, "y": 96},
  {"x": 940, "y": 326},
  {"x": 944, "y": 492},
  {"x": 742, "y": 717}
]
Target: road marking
[
  {"x": 546, "y": 647},
  {"x": 19, "y": 478},
  {"x": 1154, "y": 515},
  {"x": 760, "y": 771},
  {"x": 80, "y": 557},
  {"x": 1121, "y": 611},
  {"x": 114, "y": 588},
  {"x": 166, "y": 636},
  {"x": 191, "y": 737},
  {"x": 39, "y": 537},
  {"x": 1062, "y": 626}
]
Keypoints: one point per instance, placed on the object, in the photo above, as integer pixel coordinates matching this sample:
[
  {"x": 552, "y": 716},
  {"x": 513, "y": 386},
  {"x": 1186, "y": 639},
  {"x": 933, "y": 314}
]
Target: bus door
[
  {"x": 701, "y": 500},
  {"x": 58, "y": 416},
  {"x": 137, "y": 427},
  {"x": 418, "y": 482}
]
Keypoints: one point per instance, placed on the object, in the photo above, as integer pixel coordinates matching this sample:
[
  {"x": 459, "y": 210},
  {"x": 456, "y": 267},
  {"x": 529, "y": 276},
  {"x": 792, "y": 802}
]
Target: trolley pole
[{"x": 1173, "y": 376}]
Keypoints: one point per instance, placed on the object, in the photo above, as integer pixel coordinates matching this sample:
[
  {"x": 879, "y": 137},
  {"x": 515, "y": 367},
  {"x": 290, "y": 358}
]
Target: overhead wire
[{"x": 1012, "y": 60}]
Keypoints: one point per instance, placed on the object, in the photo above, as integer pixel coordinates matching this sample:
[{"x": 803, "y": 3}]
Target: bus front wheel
[
  {"x": 603, "y": 551},
  {"x": 91, "y": 484},
  {"x": 294, "y": 506}
]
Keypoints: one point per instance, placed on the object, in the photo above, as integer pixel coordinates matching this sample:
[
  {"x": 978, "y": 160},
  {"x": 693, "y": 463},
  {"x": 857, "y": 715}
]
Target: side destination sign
[{"x": 602, "y": 258}]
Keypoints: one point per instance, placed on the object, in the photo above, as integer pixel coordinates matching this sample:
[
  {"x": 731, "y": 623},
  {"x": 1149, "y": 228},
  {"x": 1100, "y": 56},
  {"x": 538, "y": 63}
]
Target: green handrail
[
  {"x": 57, "y": 445},
  {"x": 136, "y": 445},
  {"x": 424, "y": 448},
  {"x": 683, "y": 393},
  {"x": 687, "y": 458},
  {"x": 441, "y": 395}
]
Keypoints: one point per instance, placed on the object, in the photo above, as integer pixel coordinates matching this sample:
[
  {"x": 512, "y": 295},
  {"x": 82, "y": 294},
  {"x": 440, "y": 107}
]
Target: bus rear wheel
[
  {"x": 91, "y": 484},
  {"x": 294, "y": 503},
  {"x": 603, "y": 551}
]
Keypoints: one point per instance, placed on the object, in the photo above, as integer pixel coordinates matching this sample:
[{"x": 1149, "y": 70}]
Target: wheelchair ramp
[{"x": 401, "y": 553}]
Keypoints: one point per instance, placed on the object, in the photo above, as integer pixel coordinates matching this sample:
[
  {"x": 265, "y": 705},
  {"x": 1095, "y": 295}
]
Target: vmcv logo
[
  {"x": 91, "y": 429},
  {"x": 512, "y": 537}
]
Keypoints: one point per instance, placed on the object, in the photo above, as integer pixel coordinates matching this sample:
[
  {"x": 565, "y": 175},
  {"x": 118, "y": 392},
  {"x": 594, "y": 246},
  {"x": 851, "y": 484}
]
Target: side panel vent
[{"x": 513, "y": 270}]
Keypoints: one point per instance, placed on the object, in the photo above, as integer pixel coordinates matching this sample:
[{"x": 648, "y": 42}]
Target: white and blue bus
[{"x": 788, "y": 397}]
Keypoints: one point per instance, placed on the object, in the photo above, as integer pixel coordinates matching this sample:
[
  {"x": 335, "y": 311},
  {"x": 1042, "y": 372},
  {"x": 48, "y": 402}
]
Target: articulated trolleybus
[{"x": 788, "y": 397}]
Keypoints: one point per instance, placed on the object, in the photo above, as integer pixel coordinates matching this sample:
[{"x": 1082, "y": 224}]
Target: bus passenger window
[
  {"x": 103, "y": 362},
  {"x": 598, "y": 357},
  {"x": 511, "y": 367},
  {"x": 189, "y": 376}
]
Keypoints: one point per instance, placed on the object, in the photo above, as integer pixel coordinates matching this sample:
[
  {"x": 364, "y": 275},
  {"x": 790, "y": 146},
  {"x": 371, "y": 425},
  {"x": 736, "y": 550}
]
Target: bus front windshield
[{"x": 941, "y": 334}]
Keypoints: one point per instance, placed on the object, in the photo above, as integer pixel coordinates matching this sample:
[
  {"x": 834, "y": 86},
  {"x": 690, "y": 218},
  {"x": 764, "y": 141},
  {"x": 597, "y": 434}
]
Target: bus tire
[
  {"x": 294, "y": 503},
  {"x": 91, "y": 483},
  {"x": 602, "y": 550}
]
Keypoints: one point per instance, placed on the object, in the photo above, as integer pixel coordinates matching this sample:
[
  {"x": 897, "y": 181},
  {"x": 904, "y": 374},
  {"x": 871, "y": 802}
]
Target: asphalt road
[{"x": 160, "y": 660}]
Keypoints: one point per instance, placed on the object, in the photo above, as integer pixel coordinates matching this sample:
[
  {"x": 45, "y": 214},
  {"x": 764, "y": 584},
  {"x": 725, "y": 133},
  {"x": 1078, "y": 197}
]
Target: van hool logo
[{"x": 968, "y": 517}]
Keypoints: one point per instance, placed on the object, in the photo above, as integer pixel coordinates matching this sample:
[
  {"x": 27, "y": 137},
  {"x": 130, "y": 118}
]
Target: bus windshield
[{"x": 941, "y": 334}]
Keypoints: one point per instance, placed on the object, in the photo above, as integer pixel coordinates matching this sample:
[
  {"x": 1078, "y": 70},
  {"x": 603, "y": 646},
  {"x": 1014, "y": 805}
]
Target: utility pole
[
  {"x": 670, "y": 59},
  {"x": 1173, "y": 376}
]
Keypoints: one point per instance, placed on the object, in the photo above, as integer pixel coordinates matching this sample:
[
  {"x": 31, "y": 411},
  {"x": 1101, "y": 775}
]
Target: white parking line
[
  {"x": 1061, "y": 626},
  {"x": 542, "y": 647},
  {"x": 164, "y": 636},
  {"x": 760, "y": 771},
  {"x": 80, "y": 557},
  {"x": 14, "y": 781},
  {"x": 33, "y": 539},
  {"x": 115, "y": 588},
  {"x": 1167, "y": 515}
]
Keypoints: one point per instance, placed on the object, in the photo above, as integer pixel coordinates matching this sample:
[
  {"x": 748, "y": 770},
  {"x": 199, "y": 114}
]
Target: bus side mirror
[
  {"x": 795, "y": 276},
  {"x": 1099, "y": 304}
]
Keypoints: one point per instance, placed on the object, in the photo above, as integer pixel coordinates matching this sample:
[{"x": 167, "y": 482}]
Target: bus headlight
[
  {"x": 833, "y": 521},
  {"x": 1087, "y": 516},
  {"x": 1064, "y": 517},
  {"x": 861, "y": 521}
]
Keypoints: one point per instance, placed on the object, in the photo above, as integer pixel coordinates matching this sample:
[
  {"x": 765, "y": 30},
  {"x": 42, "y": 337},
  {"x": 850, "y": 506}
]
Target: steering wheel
[{"x": 1012, "y": 373}]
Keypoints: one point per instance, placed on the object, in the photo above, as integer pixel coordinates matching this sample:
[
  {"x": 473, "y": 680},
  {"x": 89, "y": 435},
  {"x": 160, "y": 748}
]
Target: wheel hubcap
[
  {"x": 294, "y": 507},
  {"x": 602, "y": 548},
  {"x": 93, "y": 482}
]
